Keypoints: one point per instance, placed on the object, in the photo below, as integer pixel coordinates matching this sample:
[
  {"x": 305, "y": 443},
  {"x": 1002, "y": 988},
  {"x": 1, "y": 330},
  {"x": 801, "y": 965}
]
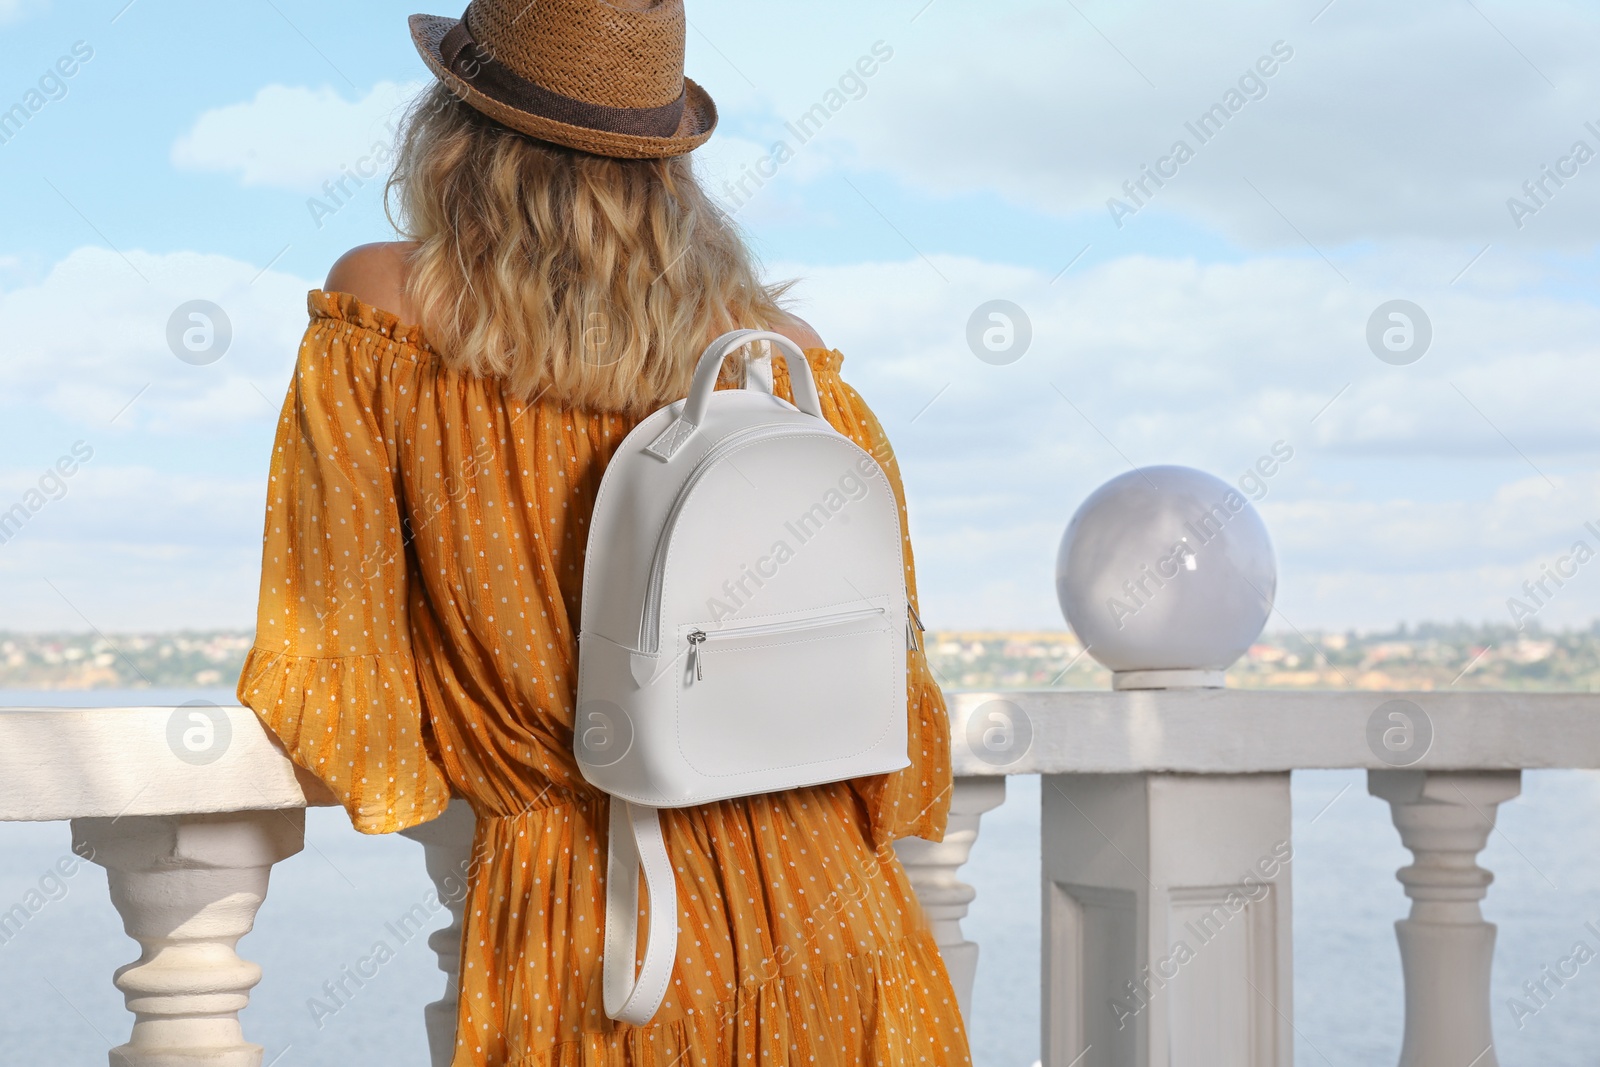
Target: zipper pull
[
  {"x": 913, "y": 626},
  {"x": 696, "y": 637}
]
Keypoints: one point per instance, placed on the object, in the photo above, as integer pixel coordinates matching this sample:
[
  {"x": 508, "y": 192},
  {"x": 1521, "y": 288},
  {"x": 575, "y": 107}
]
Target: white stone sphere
[{"x": 1166, "y": 568}]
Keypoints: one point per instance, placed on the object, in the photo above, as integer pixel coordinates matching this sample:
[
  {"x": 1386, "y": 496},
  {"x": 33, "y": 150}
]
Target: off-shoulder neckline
[{"x": 347, "y": 307}]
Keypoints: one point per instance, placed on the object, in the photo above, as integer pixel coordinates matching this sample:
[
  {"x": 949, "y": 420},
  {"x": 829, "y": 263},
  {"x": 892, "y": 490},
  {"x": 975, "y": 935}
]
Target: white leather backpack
[{"x": 744, "y": 630}]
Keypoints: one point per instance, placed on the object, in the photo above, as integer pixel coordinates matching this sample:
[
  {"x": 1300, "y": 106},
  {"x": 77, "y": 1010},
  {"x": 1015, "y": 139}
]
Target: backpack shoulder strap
[{"x": 635, "y": 841}]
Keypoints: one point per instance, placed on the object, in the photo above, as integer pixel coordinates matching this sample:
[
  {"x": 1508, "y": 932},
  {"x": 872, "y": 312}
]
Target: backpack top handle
[
  {"x": 710, "y": 365},
  {"x": 681, "y": 429}
]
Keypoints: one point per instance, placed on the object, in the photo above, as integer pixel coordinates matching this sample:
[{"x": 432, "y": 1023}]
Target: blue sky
[{"x": 1227, "y": 313}]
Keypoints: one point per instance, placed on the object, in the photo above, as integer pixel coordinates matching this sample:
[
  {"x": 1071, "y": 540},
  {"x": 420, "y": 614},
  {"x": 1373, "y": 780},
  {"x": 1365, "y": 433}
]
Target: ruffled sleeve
[
  {"x": 332, "y": 672},
  {"x": 914, "y": 801}
]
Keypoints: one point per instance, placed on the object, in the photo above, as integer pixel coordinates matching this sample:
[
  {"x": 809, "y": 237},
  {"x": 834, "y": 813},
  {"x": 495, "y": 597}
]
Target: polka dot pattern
[{"x": 416, "y": 639}]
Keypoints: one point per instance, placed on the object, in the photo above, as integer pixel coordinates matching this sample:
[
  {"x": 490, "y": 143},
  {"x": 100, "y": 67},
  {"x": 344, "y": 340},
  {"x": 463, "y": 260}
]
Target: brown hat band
[{"x": 474, "y": 64}]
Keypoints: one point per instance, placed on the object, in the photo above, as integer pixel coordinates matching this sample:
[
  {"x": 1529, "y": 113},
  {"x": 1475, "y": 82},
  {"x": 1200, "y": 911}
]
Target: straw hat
[{"x": 600, "y": 77}]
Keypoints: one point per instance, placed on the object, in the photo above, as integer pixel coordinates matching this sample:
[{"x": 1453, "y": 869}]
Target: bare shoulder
[
  {"x": 799, "y": 331},
  {"x": 376, "y": 275}
]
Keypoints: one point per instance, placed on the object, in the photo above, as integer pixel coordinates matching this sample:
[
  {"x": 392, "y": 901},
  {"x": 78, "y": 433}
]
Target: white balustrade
[{"x": 1157, "y": 806}]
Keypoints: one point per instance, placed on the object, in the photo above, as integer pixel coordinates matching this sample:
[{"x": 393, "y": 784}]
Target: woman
[{"x": 455, "y": 402}]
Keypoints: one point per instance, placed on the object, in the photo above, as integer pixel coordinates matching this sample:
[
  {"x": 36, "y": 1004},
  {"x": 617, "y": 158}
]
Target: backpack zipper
[
  {"x": 650, "y": 621},
  {"x": 699, "y": 637}
]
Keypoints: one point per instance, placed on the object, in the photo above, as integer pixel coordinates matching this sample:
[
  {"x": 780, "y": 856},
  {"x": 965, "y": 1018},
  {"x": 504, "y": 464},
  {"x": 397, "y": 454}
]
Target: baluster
[
  {"x": 447, "y": 852},
  {"x": 1446, "y": 947},
  {"x": 931, "y": 867},
  {"x": 187, "y": 888}
]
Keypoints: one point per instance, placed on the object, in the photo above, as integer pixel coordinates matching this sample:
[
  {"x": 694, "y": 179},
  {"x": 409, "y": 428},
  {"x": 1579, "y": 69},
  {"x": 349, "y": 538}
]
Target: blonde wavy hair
[{"x": 594, "y": 281}]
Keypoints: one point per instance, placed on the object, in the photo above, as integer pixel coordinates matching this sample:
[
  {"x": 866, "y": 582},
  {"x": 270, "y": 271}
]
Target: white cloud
[
  {"x": 297, "y": 138},
  {"x": 1389, "y": 121},
  {"x": 93, "y": 335},
  {"x": 105, "y": 503},
  {"x": 129, "y": 547},
  {"x": 1168, "y": 355},
  {"x": 744, "y": 176},
  {"x": 161, "y": 527},
  {"x": 1402, "y": 501}
]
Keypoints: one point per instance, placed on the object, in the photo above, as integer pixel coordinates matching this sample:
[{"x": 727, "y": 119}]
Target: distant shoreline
[{"x": 1426, "y": 656}]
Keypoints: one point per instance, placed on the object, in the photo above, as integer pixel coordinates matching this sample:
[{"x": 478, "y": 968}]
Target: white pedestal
[
  {"x": 931, "y": 867},
  {"x": 188, "y": 887},
  {"x": 1167, "y": 921}
]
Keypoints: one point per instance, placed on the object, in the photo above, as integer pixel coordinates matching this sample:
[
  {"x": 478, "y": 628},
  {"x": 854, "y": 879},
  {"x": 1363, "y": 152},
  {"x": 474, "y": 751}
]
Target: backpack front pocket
[{"x": 830, "y": 683}]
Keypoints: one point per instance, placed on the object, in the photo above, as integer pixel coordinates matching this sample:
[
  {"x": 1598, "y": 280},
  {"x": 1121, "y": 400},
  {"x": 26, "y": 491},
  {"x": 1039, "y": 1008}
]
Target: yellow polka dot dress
[{"x": 416, "y": 639}]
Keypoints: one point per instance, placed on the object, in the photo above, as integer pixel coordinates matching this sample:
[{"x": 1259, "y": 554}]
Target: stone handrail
[
  {"x": 1166, "y": 887},
  {"x": 75, "y": 763},
  {"x": 1247, "y": 731}
]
